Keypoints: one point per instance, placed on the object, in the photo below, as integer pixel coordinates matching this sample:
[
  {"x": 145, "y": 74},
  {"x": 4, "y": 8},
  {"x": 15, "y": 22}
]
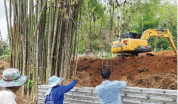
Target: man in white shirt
[{"x": 11, "y": 82}]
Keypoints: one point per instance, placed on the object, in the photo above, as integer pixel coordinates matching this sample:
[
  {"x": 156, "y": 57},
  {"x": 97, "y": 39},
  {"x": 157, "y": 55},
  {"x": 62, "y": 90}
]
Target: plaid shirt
[{"x": 109, "y": 92}]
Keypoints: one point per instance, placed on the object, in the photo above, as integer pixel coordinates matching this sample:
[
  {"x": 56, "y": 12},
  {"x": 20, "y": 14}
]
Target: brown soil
[
  {"x": 3, "y": 65},
  {"x": 24, "y": 99},
  {"x": 159, "y": 71}
]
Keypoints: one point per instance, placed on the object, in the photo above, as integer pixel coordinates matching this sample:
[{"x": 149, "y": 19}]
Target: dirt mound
[
  {"x": 163, "y": 81},
  {"x": 3, "y": 65},
  {"x": 130, "y": 69},
  {"x": 24, "y": 99},
  {"x": 83, "y": 78},
  {"x": 163, "y": 53}
]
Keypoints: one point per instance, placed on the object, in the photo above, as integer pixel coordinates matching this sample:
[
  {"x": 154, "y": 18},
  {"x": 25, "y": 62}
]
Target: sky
[{"x": 3, "y": 25}]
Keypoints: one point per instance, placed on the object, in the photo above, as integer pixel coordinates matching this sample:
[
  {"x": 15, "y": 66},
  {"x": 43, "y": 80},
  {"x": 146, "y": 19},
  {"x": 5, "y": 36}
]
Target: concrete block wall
[{"x": 130, "y": 95}]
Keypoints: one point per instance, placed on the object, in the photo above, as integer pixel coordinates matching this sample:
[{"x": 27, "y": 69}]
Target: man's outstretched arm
[
  {"x": 121, "y": 84},
  {"x": 65, "y": 88}
]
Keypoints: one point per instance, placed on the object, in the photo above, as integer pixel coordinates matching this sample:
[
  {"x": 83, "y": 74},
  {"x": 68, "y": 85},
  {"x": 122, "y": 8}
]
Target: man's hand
[{"x": 124, "y": 78}]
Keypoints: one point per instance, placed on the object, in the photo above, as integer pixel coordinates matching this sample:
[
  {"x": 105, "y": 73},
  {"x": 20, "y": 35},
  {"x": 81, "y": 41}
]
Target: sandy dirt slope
[{"x": 159, "y": 71}]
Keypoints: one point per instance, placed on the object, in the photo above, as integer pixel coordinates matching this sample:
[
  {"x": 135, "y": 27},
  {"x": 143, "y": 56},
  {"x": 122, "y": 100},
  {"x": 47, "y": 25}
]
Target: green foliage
[
  {"x": 92, "y": 16},
  {"x": 4, "y": 51},
  {"x": 5, "y": 57},
  {"x": 29, "y": 84},
  {"x": 108, "y": 56},
  {"x": 137, "y": 16},
  {"x": 82, "y": 48}
]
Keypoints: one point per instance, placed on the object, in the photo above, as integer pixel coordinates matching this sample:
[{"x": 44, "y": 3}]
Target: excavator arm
[{"x": 157, "y": 33}]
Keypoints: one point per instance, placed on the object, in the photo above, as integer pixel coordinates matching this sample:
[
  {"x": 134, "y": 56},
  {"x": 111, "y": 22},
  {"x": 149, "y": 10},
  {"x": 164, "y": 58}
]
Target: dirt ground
[
  {"x": 159, "y": 71},
  {"x": 3, "y": 65}
]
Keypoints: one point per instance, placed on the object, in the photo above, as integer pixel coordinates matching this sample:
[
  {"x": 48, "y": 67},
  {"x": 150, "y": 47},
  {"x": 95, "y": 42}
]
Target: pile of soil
[
  {"x": 24, "y": 99},
  {"x": 162, "y": 81},
  {"x": 3, "y": 65},
  {"x": 158, "y": 71}
]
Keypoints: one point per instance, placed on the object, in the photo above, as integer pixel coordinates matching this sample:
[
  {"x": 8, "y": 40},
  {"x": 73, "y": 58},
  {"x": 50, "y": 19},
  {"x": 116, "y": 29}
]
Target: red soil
[{"x": 159, "y": 71}]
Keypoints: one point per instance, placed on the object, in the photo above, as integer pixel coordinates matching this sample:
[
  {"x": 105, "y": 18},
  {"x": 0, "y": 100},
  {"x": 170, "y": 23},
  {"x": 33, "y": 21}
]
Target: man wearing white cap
[
  {"x": 11, "y": 82},
  {"x": 55, "y": 94}
]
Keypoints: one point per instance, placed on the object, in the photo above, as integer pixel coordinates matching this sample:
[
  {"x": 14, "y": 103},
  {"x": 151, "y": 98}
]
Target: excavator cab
[
  {"x": 135, "y": 43},
  {"x": 131, "y": 35}
]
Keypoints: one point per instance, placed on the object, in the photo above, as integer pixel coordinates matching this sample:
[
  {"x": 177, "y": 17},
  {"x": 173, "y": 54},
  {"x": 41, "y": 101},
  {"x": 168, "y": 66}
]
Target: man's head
[{"x": 105, "y": 73}]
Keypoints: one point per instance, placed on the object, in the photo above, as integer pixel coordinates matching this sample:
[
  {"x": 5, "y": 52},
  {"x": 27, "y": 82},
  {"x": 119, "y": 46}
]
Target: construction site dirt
[{"x": 158, "y": 71}]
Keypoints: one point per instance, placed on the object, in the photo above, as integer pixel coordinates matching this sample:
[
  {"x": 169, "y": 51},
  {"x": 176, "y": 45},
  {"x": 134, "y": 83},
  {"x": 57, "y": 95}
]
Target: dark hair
[{"x": 105, "y": 73}]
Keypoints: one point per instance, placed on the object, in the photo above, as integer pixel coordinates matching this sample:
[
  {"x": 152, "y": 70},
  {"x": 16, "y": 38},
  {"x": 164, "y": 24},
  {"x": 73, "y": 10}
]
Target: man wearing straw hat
[
  {"x": 109, "y": 91},
  {"x": 11, "y": 82},
  {"x": 55, "y": 93}
]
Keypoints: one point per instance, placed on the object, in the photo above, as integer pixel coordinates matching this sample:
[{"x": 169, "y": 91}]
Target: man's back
[{"x": 109, "y": 92}]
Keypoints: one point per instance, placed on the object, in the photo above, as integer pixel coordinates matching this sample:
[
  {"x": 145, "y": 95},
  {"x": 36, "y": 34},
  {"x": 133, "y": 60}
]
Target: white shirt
[{"x": 7, "y": 97}]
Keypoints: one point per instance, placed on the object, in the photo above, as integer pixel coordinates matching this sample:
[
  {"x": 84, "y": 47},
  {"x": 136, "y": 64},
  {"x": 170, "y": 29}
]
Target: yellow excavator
[{"x": 134, "y": 43}]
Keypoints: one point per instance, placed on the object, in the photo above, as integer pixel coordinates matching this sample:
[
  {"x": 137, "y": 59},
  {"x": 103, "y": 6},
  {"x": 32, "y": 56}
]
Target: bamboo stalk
[
  {"x": 48, "y": 72},
  {"x": 78, "y": 44},
  {"x": 54, "y": 36},
  {"x": 42, "y": 39}
]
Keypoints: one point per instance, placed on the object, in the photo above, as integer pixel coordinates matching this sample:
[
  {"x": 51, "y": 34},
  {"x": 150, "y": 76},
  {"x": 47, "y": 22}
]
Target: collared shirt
[
  {"x": 7, "y": 97},
  {"x": 109, "y": 92}
]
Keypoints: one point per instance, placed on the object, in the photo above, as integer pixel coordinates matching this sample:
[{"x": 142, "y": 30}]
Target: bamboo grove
[{"x": 43, "y": 35}]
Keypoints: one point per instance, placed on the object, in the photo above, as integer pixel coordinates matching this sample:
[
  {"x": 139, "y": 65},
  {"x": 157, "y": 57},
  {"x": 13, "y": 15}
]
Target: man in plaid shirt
[{"x": 109, "y": 91}]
